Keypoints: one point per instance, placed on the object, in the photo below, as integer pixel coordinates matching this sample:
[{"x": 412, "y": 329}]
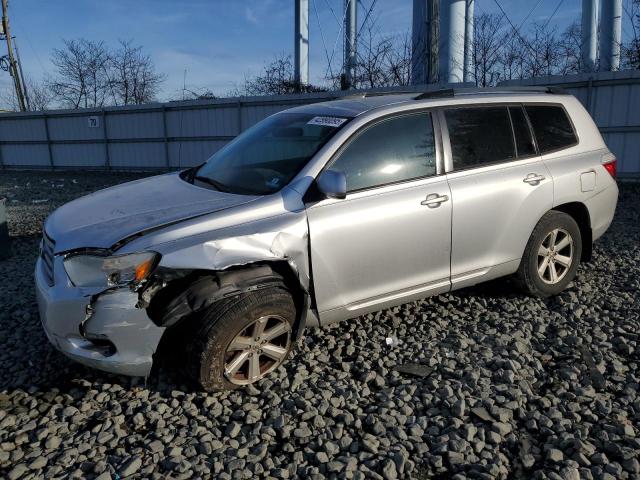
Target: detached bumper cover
[{"x": 114, "y": 318}]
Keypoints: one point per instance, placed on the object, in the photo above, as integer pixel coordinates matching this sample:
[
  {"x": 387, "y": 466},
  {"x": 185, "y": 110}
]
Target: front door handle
[
  {"x": 533, "y": 179},
  {"x": 434, "y": 200}
]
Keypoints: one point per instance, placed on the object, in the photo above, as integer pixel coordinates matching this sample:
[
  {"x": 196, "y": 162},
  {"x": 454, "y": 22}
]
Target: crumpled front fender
[{"x": 282, "y": 238}]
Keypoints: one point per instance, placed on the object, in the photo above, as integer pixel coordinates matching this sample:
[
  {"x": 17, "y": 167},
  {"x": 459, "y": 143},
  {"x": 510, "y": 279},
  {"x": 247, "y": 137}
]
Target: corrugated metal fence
[
  {"x": 181, "y": 134},
  {"x": 170, "y": 135},
  {"x": 613, "y": 100}
]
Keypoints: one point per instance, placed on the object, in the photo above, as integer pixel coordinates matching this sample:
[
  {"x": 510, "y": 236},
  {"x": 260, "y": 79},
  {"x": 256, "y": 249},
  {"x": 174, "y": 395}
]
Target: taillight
[{"x": 611, "y": 167}]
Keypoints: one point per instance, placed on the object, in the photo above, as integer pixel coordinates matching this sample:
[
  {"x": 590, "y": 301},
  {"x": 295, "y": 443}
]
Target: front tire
[
  {"x": 552, "y": 255},
  {"x": 240, "y": 340}
]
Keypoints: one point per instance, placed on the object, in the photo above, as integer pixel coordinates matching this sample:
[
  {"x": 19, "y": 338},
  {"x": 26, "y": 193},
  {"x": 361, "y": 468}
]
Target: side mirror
[{"x": 333, "y": 184}]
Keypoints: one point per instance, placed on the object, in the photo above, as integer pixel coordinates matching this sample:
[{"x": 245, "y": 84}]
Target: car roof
[
  {"x": 356, "y": 104},
  {"x": 352, "y": 106}
]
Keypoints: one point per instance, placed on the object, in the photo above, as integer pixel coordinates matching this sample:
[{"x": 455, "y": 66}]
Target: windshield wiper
[{"x": 217, "y": 185}]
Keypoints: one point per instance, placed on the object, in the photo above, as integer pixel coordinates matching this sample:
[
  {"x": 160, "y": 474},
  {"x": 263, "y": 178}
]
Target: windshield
[{"x": 266, "y": 157}]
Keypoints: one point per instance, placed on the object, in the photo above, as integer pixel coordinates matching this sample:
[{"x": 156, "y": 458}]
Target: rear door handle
[
  {"x": 434, "y": 200},
  {"x": 533, "y": 179}
]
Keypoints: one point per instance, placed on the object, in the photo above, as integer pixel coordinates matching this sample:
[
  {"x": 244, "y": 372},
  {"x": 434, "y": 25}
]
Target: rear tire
[
  {"x": 551, "y": 257},
  {"x": 240, "y": 340}
]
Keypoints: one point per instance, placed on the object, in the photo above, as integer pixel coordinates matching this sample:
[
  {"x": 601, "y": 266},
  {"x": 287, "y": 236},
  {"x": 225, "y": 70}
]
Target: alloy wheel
[
  {"x": 257, "y": 350},
  {"x": 555, "y": 256}
]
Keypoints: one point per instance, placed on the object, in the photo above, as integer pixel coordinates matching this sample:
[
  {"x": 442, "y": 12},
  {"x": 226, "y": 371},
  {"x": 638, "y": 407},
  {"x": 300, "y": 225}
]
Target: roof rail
[
  {"x": 364, "y": 94},
  {"x": 454, "y": 92}
]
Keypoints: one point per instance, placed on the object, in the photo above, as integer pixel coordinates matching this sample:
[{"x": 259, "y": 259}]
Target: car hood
[{"x": 108, "y": 216}]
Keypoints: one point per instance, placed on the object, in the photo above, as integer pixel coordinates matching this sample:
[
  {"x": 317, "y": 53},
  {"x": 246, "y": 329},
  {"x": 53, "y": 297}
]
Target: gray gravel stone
[
  {"x": 17, "y": 471},
  {"x": 233, "y": 429},
  {"x": 482, "y": 414},
  {"x": 130, "y": 466},
  {"x": 38, "y": 463},
  {"x": 555, "y": 455}
]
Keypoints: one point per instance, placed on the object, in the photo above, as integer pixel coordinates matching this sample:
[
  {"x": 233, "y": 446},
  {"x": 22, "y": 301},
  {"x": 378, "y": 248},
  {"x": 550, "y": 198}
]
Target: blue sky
[{"x": 218, "y": 42}]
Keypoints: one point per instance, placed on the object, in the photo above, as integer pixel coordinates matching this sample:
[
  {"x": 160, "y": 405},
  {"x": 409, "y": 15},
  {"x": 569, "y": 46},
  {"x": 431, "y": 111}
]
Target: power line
[
  {"x": 324, "y": 45},
  {"x": 529, "y": 14},
  {"x": 366, "y": 17},
  {"x": 35, "y": 52},
  {"x": 332, "y": 11},
  {"x": 514, "y": 27},
  {"x": 338, "y": 37},
  {"x": 553, "y": 14}
]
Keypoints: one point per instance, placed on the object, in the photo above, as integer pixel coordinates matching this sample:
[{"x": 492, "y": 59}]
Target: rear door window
[
  {"x": 551, "y": 126},
  {"x": 480, "y": 136}
]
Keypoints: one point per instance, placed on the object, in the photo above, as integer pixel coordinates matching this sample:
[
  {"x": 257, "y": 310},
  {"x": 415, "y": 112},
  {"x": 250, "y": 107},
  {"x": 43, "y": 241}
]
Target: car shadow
[{"x": 498, "y": 288}]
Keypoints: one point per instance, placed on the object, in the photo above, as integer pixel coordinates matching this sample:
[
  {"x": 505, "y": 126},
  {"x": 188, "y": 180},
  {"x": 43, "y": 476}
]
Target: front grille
[{"x": 47, "y": 257}]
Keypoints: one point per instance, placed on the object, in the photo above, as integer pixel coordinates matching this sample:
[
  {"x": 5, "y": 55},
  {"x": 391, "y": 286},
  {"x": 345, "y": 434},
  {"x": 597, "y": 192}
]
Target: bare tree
[
  {"x": 489, "y": 38},
  {"x": 382, "y": 60},
  {"x": 88, "y": 74},
  {"x": 631, "y": 49},
  {"x": 544, "y": 57},
  {"x": 399, "y": 61},
  {"x": 569, "y": 60},
  {"x": 372, "y": 60},
  {"x": 40, "y": 96},
  {"x": 276, "y": 78},
  {"x": 132, "y": 77},
  {"x": 512, "y": 56},
  {"x": 8, "y": 100},
  {"x": 81, "y": 79}
]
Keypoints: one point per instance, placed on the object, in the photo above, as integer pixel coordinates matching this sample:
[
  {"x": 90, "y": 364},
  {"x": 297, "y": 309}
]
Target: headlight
[{"x": 97, "y": 271}]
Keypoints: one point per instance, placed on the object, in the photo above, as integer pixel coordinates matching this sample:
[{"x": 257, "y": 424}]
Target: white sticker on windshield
[{"x": 327, "y": 121}]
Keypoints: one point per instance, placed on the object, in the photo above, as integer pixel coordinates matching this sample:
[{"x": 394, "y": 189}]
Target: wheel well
[
  {"x": 579, "y": 212},
  {"x": 176, "y": 298}
]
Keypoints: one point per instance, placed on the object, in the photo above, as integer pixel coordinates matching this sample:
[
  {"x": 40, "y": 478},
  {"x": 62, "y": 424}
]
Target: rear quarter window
[{"x": 551, "y": 126}]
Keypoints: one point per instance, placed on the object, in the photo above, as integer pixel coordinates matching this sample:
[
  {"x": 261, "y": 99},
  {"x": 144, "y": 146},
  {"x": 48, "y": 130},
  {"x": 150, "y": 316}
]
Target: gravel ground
[{"x": 510, "y": 386}]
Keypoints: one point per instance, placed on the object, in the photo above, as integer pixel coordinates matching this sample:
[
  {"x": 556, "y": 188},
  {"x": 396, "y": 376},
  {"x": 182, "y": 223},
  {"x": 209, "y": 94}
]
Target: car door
[
  {"x": 500, "y": 188},
  {"x": 389, "y": 239}
]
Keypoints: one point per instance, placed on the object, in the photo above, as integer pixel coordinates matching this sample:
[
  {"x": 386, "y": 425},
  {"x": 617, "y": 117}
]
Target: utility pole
[
  {"x": 452, "y": 40},
  {"x": 420, "y": 45},
  {"x": 424, "y": 42},
  {"x": 13, "y": 67},
  {"x": 610, "y": 35},
  {"x": 469, "y": 73},
  {"x": 350, "y": 47},
  {"x": 434, "y": 41},
  {"x": 301, "y": 47},
  {"x": 589, "y": 35},
  {"x": 24, "y": 82}
]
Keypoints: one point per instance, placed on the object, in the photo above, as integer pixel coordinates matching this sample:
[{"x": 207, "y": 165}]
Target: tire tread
[
  {"x": 210, "y": 329},
  {"x": 528, "y": 280}
]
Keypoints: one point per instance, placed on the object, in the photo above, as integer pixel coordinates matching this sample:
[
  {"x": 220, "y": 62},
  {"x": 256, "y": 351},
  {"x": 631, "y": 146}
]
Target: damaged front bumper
[{"x": 103, "y": 330}]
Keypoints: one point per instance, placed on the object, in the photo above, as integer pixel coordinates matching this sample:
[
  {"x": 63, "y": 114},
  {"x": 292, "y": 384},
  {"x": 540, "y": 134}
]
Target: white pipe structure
[
  {"x": 301, "y": 47},
  {"x": 420, "y": 42},
  {"x": 610, "y": 34},
  {"x": 589, "y": 41},
  {"x": 350, "y": 39},
  {"x": 452, "y": 26},
  {"x": 469, "y": 73}
]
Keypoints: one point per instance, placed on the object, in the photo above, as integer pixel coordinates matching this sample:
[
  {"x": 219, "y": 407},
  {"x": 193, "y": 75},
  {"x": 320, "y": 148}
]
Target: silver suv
[{"x": 321, "y": 213}]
